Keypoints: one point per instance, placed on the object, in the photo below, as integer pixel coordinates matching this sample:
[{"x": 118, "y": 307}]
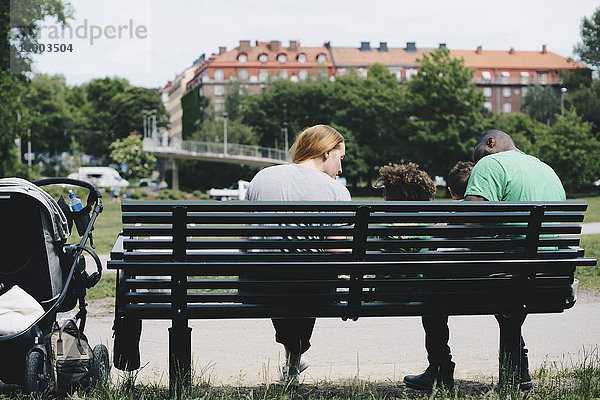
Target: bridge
[
  {"x": 217, "y": 152},
  {"x": 214, "y": 152}
]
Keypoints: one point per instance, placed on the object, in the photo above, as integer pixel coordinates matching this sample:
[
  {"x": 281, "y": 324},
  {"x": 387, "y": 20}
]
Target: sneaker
[
  {"x": 290, "y": 377},
  {"x": 442, "y": 375},
  {"x": 303, "y": 365}
]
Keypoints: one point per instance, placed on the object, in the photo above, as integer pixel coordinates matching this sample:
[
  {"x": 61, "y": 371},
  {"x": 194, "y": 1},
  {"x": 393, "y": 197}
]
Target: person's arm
[{"x": 475, "y": 198}]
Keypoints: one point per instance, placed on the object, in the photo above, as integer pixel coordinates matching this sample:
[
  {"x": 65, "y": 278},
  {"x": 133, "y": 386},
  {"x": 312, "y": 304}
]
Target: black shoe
[{"x": 440, "y": 375}]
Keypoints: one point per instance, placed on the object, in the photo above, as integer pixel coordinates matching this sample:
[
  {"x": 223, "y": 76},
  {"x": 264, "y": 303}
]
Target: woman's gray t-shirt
[{"x": 295, "y": 182}]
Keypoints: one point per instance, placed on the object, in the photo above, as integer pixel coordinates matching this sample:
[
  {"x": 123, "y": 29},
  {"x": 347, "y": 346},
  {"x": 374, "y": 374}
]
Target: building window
[
  {"x": 342, "y": 71},
  {"x": 321, "y": 58},
  {"x": 505, "y": 77},
  {"x": 506, "y": 108},
  {"x": 524, "y": 92},
  {"x": 410, "y": 73},
  {"x": 302, "y": 58},
  {"x": 486, "y": 75},
  {"x": 488, "y": 105},
  {"x": 242, "y": 58},
  {"x": 243, "y": 74},
  {"x": 219, "y": 106},
  {"x": 283, "y": 73},
  {"x": 263, "y": 75},
  {"x": 219, "y": 90},
  {"x": 263, "y": 58},
  {"x": 219, "y": 75},
  {"x": 282, "y": 58},
  {"x": 506, "y": 92},
  {"x": 524, "y": 78},
  {"x": 543, "y": 78},
  {"x": 323, "y": 73},
  {"x": 362, "y": 72},
  {"x": 294, "y": 78},
  {"x": 487, "y": 91},
  {"x": 253, "y": 78},
  {"x": 302, "y": 74}
]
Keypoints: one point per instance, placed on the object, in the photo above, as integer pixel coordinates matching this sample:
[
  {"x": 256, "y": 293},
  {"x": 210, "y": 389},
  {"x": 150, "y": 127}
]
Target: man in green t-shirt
[{"x": 502, "y": 173}]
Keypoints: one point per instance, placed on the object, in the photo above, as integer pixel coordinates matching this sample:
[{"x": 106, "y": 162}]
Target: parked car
[
  {"x": 149, "y": 183},
  {"x": 237, "y": 191},
  {"x": 102, "y": 177}
]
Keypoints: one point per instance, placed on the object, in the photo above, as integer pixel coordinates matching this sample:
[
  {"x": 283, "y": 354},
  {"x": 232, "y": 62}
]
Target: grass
[
  {"x": 104, "y": 288},
  {"x": 566, "y": 380},
  {"x": 589, "y": 277},
  {"x": 593, "y": 212}
]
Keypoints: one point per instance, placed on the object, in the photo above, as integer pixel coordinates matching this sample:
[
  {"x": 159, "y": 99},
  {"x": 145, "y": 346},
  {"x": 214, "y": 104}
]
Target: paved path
[
  {"x": 590, "y": 228},
  {"x": 379, "y": 349}
]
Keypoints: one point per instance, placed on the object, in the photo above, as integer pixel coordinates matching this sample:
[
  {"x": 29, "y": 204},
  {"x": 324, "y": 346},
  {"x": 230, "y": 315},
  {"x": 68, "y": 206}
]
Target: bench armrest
[{"x": 117, "y": 251}]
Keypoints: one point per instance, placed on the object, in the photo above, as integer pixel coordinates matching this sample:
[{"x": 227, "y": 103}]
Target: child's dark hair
[
  {"x": 405, "y": 182},
  {"x": 458, "y": 178}
]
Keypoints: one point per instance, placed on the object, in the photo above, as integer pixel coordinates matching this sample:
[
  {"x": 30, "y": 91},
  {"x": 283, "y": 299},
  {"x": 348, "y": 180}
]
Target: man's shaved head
[{"x": 494, "y": 141}]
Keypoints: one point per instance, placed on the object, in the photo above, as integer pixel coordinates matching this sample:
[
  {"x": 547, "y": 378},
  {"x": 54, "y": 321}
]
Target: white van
[{"x": 100, "y": 176}]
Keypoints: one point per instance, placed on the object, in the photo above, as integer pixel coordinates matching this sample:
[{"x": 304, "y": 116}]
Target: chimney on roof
[
  {"x": 479, "y": 50},
  {"x": 511, "y": 51},
  {"x": 544, "y": 51},
  {"x": 442, "y": 46},
  {"x": 274, "y": 46},
  {"x": 365, "y": 46},
  {"x": 222, "y": 49},
  {"x": 293, "y": 45},
  {"x": 383, "y": 46},
  {"x": 411, "y": 47},
  {"x": 244, "y": 45}
]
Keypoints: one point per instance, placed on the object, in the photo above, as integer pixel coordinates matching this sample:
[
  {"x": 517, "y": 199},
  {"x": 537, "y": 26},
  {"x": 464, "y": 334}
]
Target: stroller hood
[{"x": 60, "y": 229}]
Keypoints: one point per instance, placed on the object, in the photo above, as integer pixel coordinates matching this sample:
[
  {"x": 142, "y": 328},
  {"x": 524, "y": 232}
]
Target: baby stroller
[{"x": 37, "y": 259}]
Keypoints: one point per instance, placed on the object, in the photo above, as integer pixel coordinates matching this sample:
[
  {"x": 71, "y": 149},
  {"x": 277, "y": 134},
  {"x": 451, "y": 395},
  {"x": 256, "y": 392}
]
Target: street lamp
[
  {"x": 563, "y": 90},
  {"x": 225, "y": 132}
]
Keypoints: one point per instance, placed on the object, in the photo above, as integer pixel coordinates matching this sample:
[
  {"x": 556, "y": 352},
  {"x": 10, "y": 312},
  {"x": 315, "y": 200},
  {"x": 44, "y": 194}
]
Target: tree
[
  {"x": 126, "y": 110},
  {"x": 19, "y": 26},
  {"x": 589, "y": 47},
  {"x": 112, "y": 110},
  {"x": 571, "y": 149},
  {"x": 541, "y": 103},
  {"x": 446, "y": 114},
  {"x": 523, "y": 129},
  {"x": 47, "y": 114},
  {"x": 140, "y": 164}
]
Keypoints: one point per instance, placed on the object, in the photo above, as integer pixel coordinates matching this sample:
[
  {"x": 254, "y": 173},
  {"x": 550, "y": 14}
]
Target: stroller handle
[{"x": 96, "y": 195}]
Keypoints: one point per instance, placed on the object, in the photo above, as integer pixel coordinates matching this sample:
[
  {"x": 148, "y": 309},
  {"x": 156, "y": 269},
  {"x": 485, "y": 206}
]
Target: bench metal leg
[
  {"x": 510, "y": 348},
  {"x": 180, "y": 359}
]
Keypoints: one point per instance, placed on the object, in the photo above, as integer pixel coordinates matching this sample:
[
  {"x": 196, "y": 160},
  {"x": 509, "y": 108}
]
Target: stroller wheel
[
  {"x": 100, "y": 365},
  {"x": 36, "y": 380}
]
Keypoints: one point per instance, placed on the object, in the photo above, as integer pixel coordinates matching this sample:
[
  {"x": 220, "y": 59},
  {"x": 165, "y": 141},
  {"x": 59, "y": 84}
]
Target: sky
[{"x": 149, "y": 42}]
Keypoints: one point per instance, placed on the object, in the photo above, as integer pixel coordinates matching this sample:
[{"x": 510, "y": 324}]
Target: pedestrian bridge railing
[{"x": 232, "y": 153}]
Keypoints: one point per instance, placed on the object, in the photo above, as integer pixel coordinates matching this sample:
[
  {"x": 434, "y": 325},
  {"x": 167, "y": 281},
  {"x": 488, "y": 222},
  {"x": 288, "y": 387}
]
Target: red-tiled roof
[
  {"x": 230, "y": 58},
  {"x": 518, "y": 60},
  {"x": 353, "y": 57}
]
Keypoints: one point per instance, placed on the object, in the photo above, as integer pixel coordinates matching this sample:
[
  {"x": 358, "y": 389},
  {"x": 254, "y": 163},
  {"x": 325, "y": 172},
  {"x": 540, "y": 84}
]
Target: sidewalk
[{"x": 244, "y": 352}]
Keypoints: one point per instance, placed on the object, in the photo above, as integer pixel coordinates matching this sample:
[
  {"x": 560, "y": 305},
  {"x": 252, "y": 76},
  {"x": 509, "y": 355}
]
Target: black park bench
[{"x": 183, "y": 260}]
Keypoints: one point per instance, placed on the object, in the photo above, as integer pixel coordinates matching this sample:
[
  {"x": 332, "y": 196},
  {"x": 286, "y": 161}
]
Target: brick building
[
  {"x": 503, "y": 76},
  {"x": 255, "y": 64}
]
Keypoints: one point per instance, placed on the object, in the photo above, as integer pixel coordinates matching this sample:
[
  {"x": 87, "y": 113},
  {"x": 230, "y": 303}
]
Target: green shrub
[
  {"x": 137, "y": 194},
  {"x": 168, "y": 194},
  {"x": 200, "y": 195}
]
